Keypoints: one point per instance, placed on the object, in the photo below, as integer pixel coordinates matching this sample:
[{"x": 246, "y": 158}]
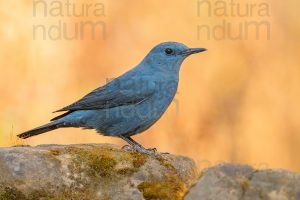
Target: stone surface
[
  {"x": 105, "y": 172},
  {"x": 242, "y": 182},
  {"x": 87, "y": 172}
]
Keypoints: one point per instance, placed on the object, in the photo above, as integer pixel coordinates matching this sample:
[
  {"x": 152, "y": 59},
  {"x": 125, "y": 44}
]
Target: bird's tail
[{"x": 41, "y": 129}]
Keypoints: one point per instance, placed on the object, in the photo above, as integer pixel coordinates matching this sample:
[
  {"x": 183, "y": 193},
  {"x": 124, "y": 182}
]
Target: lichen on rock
[
  {"x": 92, "y": 172},
  {"x": 105, "y": 172}
]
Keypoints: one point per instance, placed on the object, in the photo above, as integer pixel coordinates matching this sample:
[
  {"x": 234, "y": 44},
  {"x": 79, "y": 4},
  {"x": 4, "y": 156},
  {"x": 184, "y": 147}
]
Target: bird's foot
[{"x": 140, "y": 149}]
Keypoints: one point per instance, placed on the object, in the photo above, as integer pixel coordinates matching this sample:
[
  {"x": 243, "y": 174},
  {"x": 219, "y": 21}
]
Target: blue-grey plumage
[{"x": 131, "y": 103}]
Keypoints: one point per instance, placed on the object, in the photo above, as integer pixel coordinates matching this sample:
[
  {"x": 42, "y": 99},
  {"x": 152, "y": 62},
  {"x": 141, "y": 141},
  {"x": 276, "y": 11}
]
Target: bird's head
[{"x": 169, "y": 55}]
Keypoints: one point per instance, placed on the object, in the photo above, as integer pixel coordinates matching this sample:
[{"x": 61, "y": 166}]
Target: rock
[
  {"x": 87, "y": 172},
  {"x": 242, "y": 182},
  {"x": 105, "y": 172}
]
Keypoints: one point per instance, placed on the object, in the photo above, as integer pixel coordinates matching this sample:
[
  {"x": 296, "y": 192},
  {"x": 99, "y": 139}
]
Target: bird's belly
[{"x": 128, "y": 120}]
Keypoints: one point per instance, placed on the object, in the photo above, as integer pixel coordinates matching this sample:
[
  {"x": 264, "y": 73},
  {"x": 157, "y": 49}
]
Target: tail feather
[
  {"x": 41, "y": 129},
  {"x": 62, "y": 115}
]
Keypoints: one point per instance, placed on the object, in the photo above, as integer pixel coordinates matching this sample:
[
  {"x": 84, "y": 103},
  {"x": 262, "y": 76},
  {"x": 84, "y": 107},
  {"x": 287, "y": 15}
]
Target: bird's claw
[
  {"x": 140, "y": 149},
  {"x": 126, "y": 147}
]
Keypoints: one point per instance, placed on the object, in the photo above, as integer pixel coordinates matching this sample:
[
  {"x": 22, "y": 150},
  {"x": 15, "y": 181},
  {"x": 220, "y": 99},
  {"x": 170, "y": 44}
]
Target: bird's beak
[{"x": 193, "y": 51}]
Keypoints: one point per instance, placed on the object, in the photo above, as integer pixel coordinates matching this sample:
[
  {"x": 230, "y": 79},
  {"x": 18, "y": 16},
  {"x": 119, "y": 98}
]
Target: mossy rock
[
  {"x": 10, "y": 193},
  {"x": 92, "y": 172}
]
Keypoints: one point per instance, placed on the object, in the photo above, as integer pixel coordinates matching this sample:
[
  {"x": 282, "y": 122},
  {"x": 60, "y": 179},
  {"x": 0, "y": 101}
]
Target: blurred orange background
[{"x": 237, "y": 102}]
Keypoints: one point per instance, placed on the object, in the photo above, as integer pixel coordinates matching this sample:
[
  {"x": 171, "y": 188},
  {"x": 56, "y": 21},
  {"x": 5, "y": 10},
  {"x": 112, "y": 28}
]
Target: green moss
[
  {"x": 170, "y": 187},
  {"x": 126, "y": 171},
  {"x": 95, "y": 162},
  {"x": 92, "y": 167},
  {"x": 101, "y": 161},
  {"x": 138, "y": 159},
  {"x": 11, "y": 193},
  {"x": 40, "y": 194},
  {"x": 103, "y": 166},
  {"x": 166, "y": 164}
]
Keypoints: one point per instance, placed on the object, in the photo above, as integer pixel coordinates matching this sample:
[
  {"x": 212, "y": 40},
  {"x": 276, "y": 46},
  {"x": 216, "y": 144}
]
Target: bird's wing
[{"x": 116, "y": 93}]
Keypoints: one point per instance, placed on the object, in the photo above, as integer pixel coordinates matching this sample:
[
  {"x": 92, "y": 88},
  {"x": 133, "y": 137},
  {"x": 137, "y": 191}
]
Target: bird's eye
[{"x": 169, "y": 51}]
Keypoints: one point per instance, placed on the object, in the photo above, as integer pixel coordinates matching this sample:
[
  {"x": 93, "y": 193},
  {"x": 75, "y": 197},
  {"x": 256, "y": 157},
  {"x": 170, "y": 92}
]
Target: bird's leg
[{"x": 137, "y": 147}]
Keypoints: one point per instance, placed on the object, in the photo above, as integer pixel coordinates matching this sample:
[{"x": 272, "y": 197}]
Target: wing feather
[{"x": 116, "y": 93}]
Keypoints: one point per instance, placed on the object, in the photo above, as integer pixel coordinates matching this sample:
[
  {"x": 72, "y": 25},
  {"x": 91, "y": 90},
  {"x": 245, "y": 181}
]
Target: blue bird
[{"x": 131, "y": 103}]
